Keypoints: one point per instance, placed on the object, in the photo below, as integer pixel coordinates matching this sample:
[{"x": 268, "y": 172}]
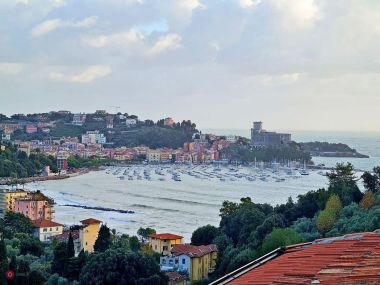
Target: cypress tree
[
  {"x": 103, "y": 241},
  {"x": 70, "y": 247}
]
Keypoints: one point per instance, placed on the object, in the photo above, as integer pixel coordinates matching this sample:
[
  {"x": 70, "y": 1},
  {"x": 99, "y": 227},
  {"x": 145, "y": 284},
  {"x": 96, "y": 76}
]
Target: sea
[{"x": 182, "y": 206}]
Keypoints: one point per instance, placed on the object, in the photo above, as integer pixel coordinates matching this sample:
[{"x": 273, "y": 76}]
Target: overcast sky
[{"x": 294, "y": 64}]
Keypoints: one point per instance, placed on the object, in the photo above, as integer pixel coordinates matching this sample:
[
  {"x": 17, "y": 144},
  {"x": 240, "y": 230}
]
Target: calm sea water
[{"x": 181, "y": 207}]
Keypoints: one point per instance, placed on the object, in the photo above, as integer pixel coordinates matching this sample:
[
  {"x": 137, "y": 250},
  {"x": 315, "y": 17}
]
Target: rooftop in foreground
[
  {"x": 165, "y": 236},
  {"x": 350, "y": 259}
]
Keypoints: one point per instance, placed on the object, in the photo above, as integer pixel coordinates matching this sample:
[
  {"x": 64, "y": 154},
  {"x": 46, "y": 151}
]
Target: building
[
  {"x": 169, "y": 122},
  {"x": 30, "y": 129},
  {"x": 263, "y": 138},
  {"x": 64, "y": 237},
  {"x": 175, "y": 278},
  {"x": 153, "y": 155},
  {"x": 25, "y": 147},
  {"x": 35, "y": 206},
  {"x": 6, "y": 137},
  {"x": 349, "y": 259},
  {"x": 130, "y": 122},
  {"x": 79, "y": 119},
  {"x": 163, "y": 243},
  {"x": 93, "y": 137},
  {"x": 7, "y": 199},
  {"x": 88, "y": 234},
  {"x": 231, "y": 139},
  {"x": 197, "y": 262},
  {"x": 62, "y": 163},
  {"x": 109, "y": 120},
  {"x": 46, "y": 229}
]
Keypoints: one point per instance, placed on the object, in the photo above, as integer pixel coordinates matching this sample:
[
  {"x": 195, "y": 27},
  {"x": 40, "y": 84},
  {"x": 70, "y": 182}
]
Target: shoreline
[{"x": 27, "y": 180}]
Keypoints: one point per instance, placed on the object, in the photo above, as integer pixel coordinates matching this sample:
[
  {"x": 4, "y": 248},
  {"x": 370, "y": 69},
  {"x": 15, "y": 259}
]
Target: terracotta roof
[
  {"x": 193, "y": 250},
  {"x": 90, "y": 221},
  {"x": 165, "y": 236},
  {"x": 174, "y": 277},
  {"x": 45, "y": 224},
  {"x": 65, "y": 235},
  {"x": 350, "y": 259}
]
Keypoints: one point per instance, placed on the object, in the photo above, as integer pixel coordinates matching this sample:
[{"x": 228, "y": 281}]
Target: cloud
[
  {"x": 191, "y": 4},
  {"x": 88, "y": 75},
  {"x": 11, "y": 68},
  {"x": 165, "y": 43},
  {"x": 51, "y": 25},
  {"x": 298, "y": 13},
  {"x": 248, "y": 4},
  {"x": 117, "y": 39}
]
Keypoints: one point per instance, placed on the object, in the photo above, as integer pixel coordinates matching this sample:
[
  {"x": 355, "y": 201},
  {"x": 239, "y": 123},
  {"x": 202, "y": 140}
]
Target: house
[
  {"x": 46, "y": 229},
  {"x": 79, "y": 119},
  {"x": 197, "y": 262},
  {"x": 263, "y": 138},
  {"x": 88, "y": 234},
  {"x": 231, "y": 139},
  {"x": 25, "y": 147},
  {"x": 169, "y": 122},
  {"x": 35, "y": 206},
  {"x": 8, "y": 197},
  {"x": 349, "y": 259},
  {"x": 130, "y": 122},
  {"x": 175, "y": 278},
  {"x": 30, "y": 129},
  {"x": 163, "y": 243},
  {"x": 64, "y": 237}
]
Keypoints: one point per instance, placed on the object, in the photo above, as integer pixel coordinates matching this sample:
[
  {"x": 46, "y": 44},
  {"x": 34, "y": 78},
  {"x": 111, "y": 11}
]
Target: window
[
  {"x": 183, "y": 261},
  {"x": 51, "y": 229},
  {"x": 56, "y": 228},
  {"x": 155, "y": 246},
  {"x": 176, "y": 261},
  {"x": 164, "y": 248},
  {"x": 45, "y": 230}
]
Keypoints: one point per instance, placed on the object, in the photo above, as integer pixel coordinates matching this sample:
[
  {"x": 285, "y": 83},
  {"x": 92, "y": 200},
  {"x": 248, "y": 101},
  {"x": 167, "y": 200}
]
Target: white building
[
  {"x": 79, "y": 119},
  {"x": 130, "y": 122},
  {"x": 94, "y": 137},
  {"x": 231, "y": 139},
  {"x": 46, "y": 229}
]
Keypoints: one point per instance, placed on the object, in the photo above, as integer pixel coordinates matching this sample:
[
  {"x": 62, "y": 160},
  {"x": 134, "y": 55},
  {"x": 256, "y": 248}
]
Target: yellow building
[
  {"x": 165, "y": 155},
  {"x": 8, "y": 197},
  {"x": 197, "y": 261},
  {"x": 88, "y": 234},
  {"x": 45, "y": 230},
  {"x": 163, "y": 243}
]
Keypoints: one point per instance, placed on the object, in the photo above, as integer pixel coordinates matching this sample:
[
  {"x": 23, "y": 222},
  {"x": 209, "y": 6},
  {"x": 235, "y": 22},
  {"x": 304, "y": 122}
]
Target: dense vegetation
[
  {"x": 248, "y": 230},
  {"x": 118, "y": 258},
  {"x": 147, "y": 132},
  {"x": 321, "y": 148},
  {"x": 239, "y": 152},
  {"x": 17, "y": 164}
]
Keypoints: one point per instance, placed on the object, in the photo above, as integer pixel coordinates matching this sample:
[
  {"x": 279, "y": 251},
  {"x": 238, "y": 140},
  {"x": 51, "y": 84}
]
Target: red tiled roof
[
  {"x": 90, "y": 221},
  {"x": 193, "y": 250},
  {"x": 65, "y": 235},
  {"x": 45, "y": 224},
  {"x": 350, "y": 259},
  {"x": 165, "y": 236},
  {"x": 174, "y": 277}
]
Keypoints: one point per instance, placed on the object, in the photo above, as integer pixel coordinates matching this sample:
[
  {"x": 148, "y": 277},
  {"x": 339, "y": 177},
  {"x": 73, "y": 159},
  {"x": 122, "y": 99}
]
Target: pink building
[
  {"x": 34, "y": 207},
  {"x": 30, "y": 129}
]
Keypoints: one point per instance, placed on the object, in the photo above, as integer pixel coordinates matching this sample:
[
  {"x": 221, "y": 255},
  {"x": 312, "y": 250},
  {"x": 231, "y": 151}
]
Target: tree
[
  {"x": 70, "y": 247},
  {"x": 368, "y": 201},
  {"x": 59, "y": 258},
  {"x": 280, "y": 238},
  {"x": 334, "y": 205},
  {"x": 30, "y": 245},
  {"x": 144, "y": 233},
  {"x": 16, "y": 223},
  {"x": 204, "y": 235},
  {"x": 325, "y": 221},
  {"x": 134, "y": 244},
  {"x": 121, "y": 267},
  {"x": 103, "y": 242},
  {"x": 3, "y": 260}
]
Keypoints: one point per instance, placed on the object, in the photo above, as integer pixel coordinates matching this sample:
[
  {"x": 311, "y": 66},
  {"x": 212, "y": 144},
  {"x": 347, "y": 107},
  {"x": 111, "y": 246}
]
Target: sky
[{"x": 293, "y": 64}]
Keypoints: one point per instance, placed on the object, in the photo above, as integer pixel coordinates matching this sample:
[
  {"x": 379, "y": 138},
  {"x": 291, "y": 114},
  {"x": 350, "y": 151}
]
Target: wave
[{"x": 157, "y": 208}]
